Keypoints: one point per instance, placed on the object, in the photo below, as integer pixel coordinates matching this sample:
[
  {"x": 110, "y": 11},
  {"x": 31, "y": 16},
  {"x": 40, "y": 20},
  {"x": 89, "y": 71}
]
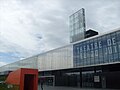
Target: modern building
[
  {"x": 77, "y": 25},
  {"x": 92, "y": 62}
]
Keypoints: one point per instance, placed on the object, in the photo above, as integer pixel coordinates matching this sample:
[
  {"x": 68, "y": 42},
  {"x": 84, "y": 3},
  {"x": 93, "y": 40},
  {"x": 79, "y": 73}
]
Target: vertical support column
[
  {"x": 94, "y": 83},
  {"x": 80, "y": 78}
]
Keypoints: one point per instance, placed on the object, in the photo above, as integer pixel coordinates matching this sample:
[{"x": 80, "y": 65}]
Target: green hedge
[
  {"x": 4, "y": 87},
  {"x": 3, "y": 78}
]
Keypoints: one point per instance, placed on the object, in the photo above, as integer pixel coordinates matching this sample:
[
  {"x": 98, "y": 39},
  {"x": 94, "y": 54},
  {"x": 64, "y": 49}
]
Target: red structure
[{"x": 27, "y": 79}]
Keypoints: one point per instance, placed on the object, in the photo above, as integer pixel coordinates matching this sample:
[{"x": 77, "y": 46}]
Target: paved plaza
[{"x": 69, "y": 88}]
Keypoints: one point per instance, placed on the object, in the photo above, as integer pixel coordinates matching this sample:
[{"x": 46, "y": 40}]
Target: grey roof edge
[{"x": 105, "y": 33}]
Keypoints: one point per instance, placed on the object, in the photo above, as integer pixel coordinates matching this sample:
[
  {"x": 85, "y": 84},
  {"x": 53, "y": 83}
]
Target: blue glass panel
[
  {"x": 110, "y": 57},
  {"x": 104, "y": 42},
  {"x": 105, "y": 54},
  {"x": 91, "y": 45},
  {"x": 92, "y": 61},
  {"x": 115, "y": 57},
  {"x": 96, "y": 44},
  {"x": 118, "y": 36},
  {"x": 88, "y": 45},
  {"x": 119, "y": 57},
  {"x": 99, "y": 42},
  {"x": 114, "y": 38},
  {"x": 119, "y": 47},
  {"x": 115, "y": 49},
  {"x": 109, "y": 41}
]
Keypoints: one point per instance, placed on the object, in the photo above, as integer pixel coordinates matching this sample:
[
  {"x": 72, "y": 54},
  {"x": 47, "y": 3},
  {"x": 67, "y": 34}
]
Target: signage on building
[{"x": 98, "y": 50}]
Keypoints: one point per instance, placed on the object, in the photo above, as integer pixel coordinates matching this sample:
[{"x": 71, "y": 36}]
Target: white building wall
[
  {"x": 26, "y": 63},
  {"x": 60, "y": 58}
]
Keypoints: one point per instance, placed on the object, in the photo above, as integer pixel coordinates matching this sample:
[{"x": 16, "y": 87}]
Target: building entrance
[
  {"x": 88, "y": 79},
  {"x": 28, "y": 82},
  {"x": 48, "y": 80}
]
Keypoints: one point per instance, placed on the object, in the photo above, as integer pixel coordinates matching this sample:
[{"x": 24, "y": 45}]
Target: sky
[{"x": 30, "y": 27}]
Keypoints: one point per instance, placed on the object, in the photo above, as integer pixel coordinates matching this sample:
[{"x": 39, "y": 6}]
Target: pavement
[{"x": 69, "y": 88}]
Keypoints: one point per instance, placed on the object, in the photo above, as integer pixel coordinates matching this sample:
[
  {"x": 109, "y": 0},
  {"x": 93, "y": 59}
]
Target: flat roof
[{"x": 111, "y": 31}]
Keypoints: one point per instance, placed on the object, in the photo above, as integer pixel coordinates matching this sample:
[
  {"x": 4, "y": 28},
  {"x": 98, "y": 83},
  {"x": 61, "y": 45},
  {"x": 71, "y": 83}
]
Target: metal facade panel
[{"x": 60, "y": 58}]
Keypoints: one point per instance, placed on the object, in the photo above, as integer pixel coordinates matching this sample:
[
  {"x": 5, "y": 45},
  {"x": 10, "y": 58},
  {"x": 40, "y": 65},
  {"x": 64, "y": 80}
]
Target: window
[
  {"x": 91, "y": 45},
  {"x": 100, "y": 56},
  {"x": 110, "y": 57},
  {"x": 114, "y": 38},
  {"x": 116, "y": 57},
  {"x": 115, "y": 49},
  {"x": 118, "y": 36},
  {"x": 105, "y": 54},
  {"x": 104, "y": 42}
]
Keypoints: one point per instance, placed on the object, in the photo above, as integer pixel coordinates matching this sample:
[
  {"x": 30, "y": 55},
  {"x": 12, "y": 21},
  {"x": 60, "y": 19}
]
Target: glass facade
[
  {"x": 77, "y": 25},
  {"x": 60, "y": 58},
  {"x": 98, "y": 50},
  {"x": 26, "y": 63},
  {"x": 88, "y": 79}
]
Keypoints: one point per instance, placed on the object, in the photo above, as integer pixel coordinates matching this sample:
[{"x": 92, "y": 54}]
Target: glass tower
[{"x": 77, "y": 25}]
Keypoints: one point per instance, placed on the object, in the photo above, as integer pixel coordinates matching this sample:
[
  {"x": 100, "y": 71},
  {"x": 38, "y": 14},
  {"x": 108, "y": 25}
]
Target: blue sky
[{"x": 30, "y": 27}]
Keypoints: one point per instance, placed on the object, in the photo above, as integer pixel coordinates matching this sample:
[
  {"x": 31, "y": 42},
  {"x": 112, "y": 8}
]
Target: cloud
[
  {"x": 29, "y": 27},
  {"x": 100, "y": 14},
  {"x": 2, "y": 63}
]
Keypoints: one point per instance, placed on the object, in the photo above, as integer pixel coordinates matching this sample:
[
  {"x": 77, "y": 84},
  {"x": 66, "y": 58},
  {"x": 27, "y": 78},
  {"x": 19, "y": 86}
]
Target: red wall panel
[{"x": 22, "y": 76}]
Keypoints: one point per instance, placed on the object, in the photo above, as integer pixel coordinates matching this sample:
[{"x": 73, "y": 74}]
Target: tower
[{"x": 77, "y": 26}]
